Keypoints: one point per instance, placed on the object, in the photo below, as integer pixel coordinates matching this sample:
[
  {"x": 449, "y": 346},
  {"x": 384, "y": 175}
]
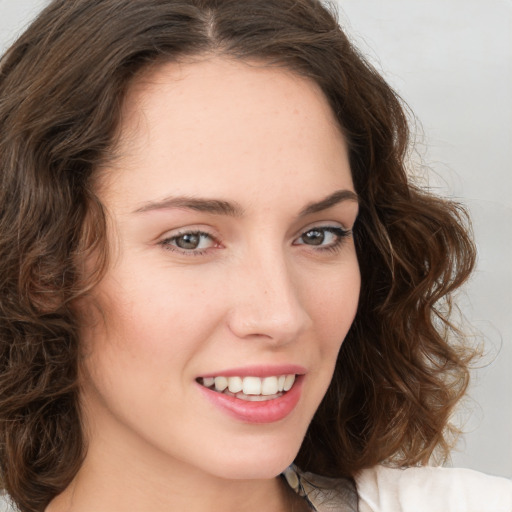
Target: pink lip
[
  {"x": 259, "y": 371},
  {"x": 268, "y": 411}
]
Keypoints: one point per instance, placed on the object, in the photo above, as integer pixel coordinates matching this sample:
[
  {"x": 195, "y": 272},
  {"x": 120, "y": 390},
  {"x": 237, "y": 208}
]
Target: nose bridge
[{"x": 267, "y": 299}]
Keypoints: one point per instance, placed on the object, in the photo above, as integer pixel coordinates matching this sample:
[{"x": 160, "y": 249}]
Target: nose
[{"x": 266, "y": 300}]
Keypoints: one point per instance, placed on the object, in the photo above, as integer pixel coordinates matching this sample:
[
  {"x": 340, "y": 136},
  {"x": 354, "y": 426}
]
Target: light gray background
[{"x": 451, "y": 60}]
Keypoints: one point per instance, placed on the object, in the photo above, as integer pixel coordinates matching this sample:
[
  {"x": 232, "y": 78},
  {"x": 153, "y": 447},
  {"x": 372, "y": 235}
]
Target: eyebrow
[
  {"x": 233, "y": 209},
  {"x": 214, "y": 206},
  {"x": 332, "y": 200}
]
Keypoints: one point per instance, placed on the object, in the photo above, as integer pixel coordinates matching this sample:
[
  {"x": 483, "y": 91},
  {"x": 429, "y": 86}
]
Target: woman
[{"x": 214, "y": 265}]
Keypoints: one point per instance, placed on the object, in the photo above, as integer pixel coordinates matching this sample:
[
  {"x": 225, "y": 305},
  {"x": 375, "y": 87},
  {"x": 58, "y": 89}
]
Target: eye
[
  {"x": 193, "y": 242},
  {"x": 323, "y": 237}
]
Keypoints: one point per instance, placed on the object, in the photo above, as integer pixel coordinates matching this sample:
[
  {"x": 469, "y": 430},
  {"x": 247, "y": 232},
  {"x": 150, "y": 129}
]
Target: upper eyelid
[
  {"x": 216, "y": 237},
  {"x": 210, "y": 231},
  {"x": 324, "y": 225},
  {"x": 177, "y": 232}
]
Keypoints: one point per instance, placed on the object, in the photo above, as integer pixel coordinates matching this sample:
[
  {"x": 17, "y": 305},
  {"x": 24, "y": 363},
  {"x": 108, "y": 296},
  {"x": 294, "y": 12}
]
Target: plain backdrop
[{"x": 451, "y": 61}]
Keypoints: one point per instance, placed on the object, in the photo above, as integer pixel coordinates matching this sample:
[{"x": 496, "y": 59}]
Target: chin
[
  {"x": 265, "y": 468},
  {"x": 263, "y": 461}
]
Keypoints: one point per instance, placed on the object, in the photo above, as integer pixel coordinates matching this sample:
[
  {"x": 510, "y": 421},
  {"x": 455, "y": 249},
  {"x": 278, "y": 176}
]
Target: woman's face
[{"x": 231, "y": 208}]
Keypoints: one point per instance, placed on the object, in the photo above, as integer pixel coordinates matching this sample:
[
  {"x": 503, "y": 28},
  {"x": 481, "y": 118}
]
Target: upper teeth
[{"x": 251, "y": 385}]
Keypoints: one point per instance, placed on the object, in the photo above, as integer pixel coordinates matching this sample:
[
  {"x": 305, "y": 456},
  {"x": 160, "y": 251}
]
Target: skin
[{"x": 255, "y": 292}]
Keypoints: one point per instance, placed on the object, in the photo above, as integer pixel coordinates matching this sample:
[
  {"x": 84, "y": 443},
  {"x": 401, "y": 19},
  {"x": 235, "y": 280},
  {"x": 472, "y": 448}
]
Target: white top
[
  {"x": 420, "y": 489},
  {"x": 432, "y": 489}
]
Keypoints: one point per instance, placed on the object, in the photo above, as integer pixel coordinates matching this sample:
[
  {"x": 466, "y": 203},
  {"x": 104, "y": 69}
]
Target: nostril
[{"x": 279, "y": 327}]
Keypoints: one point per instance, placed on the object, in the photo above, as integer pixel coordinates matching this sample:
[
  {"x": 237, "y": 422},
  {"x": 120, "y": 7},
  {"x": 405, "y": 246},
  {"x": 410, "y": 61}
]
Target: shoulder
[{"x": 423, "y": 489}]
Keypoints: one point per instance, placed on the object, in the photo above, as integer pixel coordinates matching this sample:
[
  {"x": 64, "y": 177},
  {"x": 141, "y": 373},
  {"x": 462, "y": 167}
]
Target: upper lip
[{"x": 258, "y": 371}]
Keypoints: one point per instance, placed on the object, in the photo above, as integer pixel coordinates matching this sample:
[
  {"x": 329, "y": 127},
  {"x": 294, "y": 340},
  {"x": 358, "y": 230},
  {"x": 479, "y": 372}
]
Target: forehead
[{"x": 217, "y": 119}]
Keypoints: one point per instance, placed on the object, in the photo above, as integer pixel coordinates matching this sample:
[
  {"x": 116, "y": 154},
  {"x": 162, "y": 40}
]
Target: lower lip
[{"x": 267, "y": 411}]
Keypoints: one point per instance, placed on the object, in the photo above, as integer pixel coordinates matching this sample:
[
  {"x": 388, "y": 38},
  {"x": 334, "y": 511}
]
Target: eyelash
[{"x": 340, "y": 233}]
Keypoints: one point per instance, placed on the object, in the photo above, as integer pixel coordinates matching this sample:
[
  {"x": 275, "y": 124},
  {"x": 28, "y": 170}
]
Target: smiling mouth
[{"x": 251, "y": 389}]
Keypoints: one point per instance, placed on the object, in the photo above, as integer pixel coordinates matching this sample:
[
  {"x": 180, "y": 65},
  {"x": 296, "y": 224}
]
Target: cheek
[
  {"x": 148, "y": 339},
  {"x": 332, "y": 305},
  {"x": 153, "y": 314},
  {"x": 135, "y": 352}
]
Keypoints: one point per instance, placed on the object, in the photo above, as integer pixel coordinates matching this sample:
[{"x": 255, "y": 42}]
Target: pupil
[
  {"x": 314, "y": 237},
  {"x": 190, "y": 241}
]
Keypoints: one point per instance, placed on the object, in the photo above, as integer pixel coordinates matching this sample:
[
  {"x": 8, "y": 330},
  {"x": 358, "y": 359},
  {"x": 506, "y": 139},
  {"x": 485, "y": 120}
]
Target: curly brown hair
[{"x": 62, "y": 86}]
